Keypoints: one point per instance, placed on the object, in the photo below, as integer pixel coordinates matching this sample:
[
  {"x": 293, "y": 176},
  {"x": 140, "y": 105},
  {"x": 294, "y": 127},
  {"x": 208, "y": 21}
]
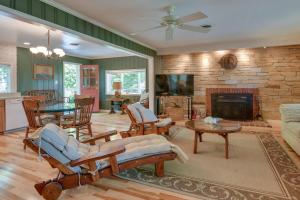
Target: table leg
[
  {"x": 57, "y": 117},
  {"x": 226, "y": 146},
  {"x": 122, "y": 109},
  {"x": 196, "y": 142},
  {"x": 112, "y": 110},
  {"x": 200, "y": 137},
  {"x": 225, "y": 136}
]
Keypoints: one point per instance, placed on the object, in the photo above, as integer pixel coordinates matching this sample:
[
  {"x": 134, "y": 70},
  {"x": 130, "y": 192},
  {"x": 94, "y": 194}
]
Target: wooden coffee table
[{"x": 223, "y": 128}]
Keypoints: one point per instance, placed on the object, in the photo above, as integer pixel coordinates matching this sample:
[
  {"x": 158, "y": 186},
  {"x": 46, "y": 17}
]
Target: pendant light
[{"x": 46, "y": 51}]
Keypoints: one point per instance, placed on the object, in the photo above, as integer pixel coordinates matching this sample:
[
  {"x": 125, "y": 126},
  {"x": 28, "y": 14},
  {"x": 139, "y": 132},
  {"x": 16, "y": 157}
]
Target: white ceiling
[
  {"x": 235, "y": 23},
  {"x": 16, "y": 32}
]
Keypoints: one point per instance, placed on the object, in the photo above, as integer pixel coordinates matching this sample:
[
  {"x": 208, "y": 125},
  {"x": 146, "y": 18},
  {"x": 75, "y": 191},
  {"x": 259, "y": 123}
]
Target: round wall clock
[{"x": 228, "y": 61}]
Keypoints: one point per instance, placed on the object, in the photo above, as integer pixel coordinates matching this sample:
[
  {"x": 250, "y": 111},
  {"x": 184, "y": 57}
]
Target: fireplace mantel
[{"x": 253, "y": 91}]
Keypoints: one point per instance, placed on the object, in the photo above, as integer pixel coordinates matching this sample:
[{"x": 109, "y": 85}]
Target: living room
[{"x": 153, "y": 100}]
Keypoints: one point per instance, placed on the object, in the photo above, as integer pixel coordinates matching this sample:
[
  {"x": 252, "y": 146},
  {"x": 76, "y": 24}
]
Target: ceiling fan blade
[
  {"x": 149, "y": 29},
  {"x": 199, "y": 29},
  {"x": 169, "y": 33},
  {"x": 192, "y": 17}
]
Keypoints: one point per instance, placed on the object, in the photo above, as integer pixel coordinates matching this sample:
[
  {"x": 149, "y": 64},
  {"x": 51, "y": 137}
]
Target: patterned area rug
[
  {"x": 281, "y": 174},
  {"x": 255, "y": 123}
]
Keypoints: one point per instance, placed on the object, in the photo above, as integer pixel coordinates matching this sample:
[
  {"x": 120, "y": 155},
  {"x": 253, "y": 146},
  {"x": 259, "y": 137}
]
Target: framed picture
[{"x": 43, "y": 72}]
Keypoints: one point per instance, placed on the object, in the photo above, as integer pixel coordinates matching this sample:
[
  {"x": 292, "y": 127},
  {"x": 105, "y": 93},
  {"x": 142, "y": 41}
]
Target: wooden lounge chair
[
  {"x": 110, "y": 158},
  {"x": 142, "y": 126}
]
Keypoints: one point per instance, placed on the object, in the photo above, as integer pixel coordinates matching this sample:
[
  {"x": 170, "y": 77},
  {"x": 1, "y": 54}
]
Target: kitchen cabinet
[{"x": 2, "y": 116}]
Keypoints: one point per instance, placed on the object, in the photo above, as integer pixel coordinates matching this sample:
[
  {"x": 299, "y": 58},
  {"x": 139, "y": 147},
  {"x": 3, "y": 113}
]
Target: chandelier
[{"x": 46, "y": 51}]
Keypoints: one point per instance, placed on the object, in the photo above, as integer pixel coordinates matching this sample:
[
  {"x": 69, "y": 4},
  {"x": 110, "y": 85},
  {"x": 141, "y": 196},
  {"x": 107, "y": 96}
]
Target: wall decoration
[
  {"x": 228, "y": 61},
  {"x": 43, "y": 72}
]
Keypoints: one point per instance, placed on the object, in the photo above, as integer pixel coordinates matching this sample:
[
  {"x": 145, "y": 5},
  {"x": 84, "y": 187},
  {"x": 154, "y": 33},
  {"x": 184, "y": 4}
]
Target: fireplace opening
[{"x": 232, "y": 106}]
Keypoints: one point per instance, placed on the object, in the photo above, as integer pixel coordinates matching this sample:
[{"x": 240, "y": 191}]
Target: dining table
[{"x": 58, "y": 109}]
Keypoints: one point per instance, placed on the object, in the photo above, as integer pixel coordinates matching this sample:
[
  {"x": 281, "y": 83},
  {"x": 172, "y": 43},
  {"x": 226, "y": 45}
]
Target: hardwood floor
[{"x": 20, "y": 170}]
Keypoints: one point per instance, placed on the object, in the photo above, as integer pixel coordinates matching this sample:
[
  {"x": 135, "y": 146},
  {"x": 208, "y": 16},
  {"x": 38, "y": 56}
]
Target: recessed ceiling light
[
  {"x": 26, "y": 43},
  {"x": 74, "y": 44},
  {"x": 206, "y": 26}
]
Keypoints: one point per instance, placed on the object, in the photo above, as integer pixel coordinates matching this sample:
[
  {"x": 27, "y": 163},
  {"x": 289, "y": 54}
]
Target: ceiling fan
[{"x": 172, "y": 22}]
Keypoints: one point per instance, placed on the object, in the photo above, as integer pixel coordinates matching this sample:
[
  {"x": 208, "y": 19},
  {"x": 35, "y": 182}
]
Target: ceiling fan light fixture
[{"x": 171, "y": 22}]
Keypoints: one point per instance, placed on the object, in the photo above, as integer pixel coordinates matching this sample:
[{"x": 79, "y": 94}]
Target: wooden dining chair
[
  {"x": 80, "y": 96},
  {"x": 31, "y": 108},
  {"x": 82, "y": 116},
  {"x": 70, "y": 115},
  {"x": 45, "y": 117},
  {"x": 40, "y": 98}
]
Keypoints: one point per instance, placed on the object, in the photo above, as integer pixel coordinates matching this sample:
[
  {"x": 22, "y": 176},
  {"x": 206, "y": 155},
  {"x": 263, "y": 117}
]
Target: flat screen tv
[{"x": 174, "y": 85}]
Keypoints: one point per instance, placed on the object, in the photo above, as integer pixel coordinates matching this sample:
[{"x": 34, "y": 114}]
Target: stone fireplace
[{"x": 232, "y": 103}]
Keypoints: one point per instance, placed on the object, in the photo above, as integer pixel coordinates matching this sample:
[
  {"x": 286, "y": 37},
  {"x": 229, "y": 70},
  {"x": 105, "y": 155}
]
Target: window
[
  {"x": 71, "y": 79},
  {"x": 5, "y": 78},
  {"x": 133, "y": 81}
]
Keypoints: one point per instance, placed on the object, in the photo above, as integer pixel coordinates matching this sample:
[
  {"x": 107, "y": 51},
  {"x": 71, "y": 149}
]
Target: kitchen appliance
[{"x": 15, "y": 117}]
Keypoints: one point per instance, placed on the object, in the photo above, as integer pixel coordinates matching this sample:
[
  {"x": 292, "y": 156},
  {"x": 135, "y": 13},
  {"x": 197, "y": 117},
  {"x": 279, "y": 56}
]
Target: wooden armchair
[
  {"x": 69, "y": 178},
  {"x": 35, "y": 119},
  {"x": 140, "y": 127},
  {"x": 81, "y": 118},
  {"x": 31, "y": 108}
]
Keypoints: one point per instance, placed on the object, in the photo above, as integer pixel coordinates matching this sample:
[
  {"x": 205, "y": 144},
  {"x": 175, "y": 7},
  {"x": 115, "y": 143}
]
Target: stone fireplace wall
[{"x": 274, "y": 71}]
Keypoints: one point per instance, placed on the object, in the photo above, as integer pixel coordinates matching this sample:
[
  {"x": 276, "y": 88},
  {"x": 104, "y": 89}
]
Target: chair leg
[
  {"x": 167, "y": 132},
  {"x": 77, "y": 133},
  {"x": 159, "y": 168},
  {"x": 26, "y": 136},
  {"x": 90, "y": 130}
]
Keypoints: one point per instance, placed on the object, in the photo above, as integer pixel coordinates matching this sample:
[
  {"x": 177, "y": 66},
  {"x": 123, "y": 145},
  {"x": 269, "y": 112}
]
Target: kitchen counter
[{"x": 14, "y": 95}]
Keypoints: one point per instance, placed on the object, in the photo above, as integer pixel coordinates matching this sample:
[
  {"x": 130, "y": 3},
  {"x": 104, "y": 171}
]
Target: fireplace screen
[{"x": 232, "y": 106}]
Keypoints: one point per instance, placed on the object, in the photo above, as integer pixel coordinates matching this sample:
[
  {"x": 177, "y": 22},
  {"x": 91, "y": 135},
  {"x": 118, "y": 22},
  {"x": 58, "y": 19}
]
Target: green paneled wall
[
  {"x": 132, "y": 62},
  {"x": 41, "y": 10},
  {"x": 25, "y": 62}
]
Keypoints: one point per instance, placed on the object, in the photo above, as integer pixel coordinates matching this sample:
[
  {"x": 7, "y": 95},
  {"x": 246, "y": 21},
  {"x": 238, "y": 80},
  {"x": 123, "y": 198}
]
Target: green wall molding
[{"x": 46, "y": 12}]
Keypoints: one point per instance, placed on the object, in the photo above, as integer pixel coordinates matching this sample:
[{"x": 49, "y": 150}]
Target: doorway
[{"x": 71, "y": 79}]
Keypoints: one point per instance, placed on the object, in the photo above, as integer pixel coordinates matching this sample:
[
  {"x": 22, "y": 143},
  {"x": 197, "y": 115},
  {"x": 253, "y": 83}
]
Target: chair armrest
[
  {"x": 163, "y": 116},
  {"x": 105, "y": 135},
  {"x": 98, "y": 156},
  {"x": 152, "y": 124},
  {"x": 149, "y": 122}
]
